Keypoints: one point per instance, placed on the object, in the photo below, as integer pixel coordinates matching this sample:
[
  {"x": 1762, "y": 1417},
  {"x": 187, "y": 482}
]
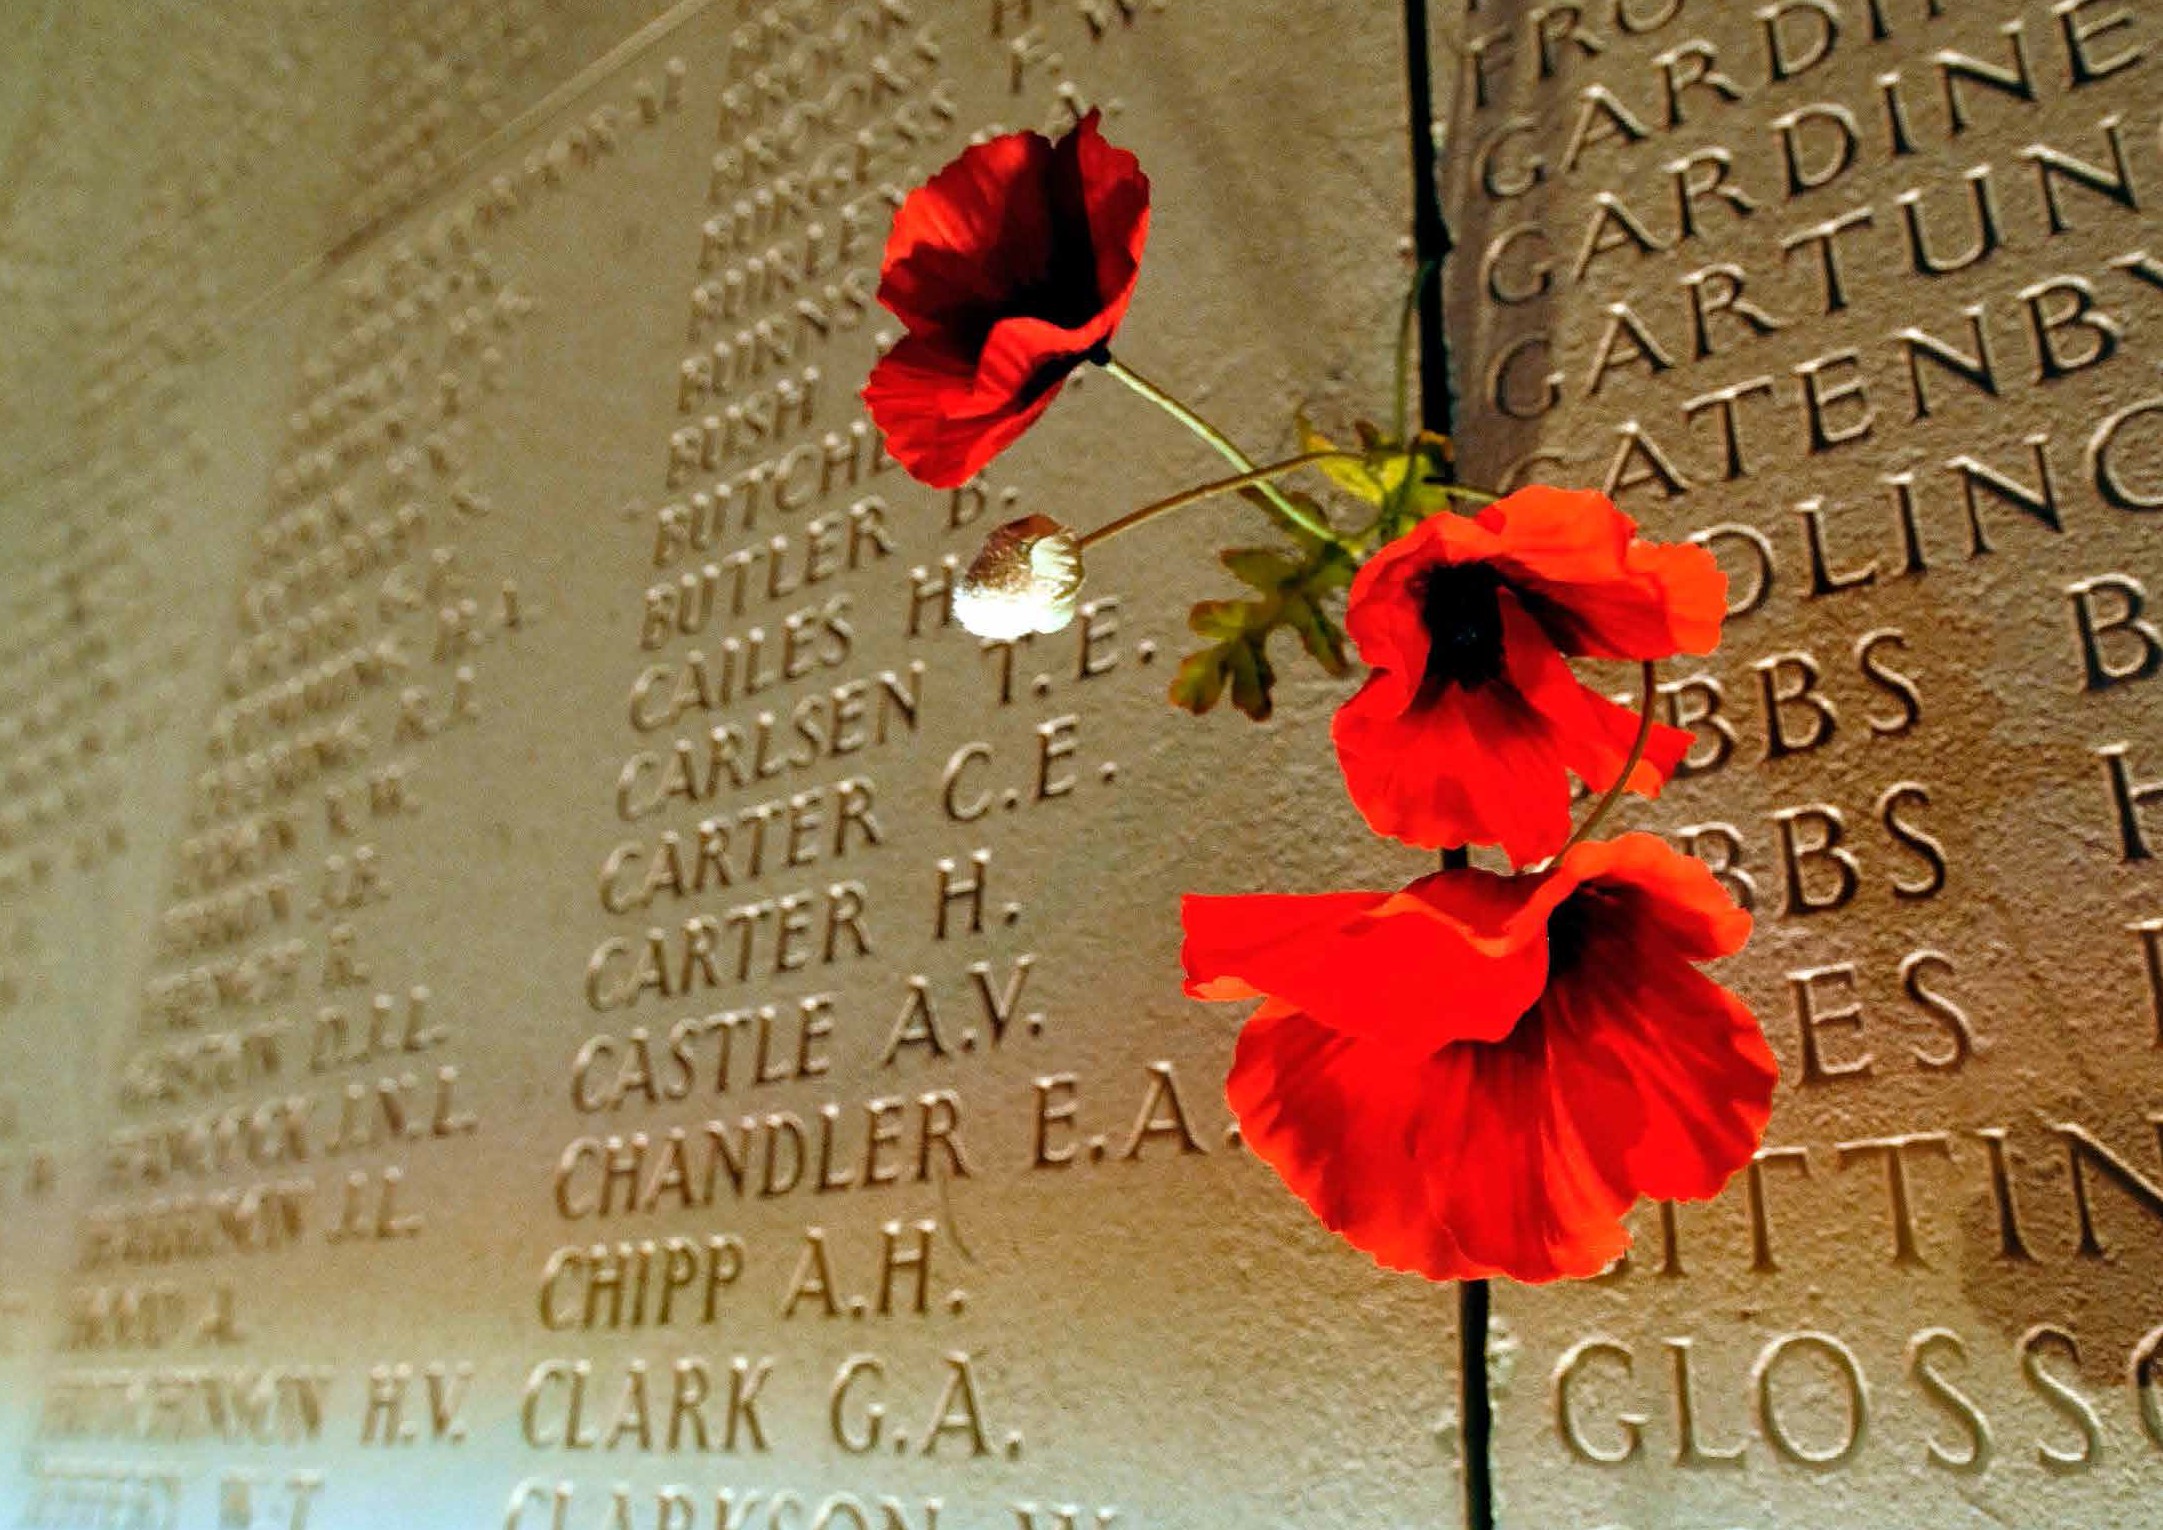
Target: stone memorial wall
[{"x": 545, "y": 984}]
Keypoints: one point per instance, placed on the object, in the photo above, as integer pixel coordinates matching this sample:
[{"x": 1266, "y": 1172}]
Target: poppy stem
[
  {"x": 1584, "y": 830},
  {"x": 1185, "y": 497},
  {"x": 1479, "y": 1409},
  {"x": 1223, "y": 444},
  {"x": 1476, "y": 1404},
  {"x": 1406, "y": 323}
]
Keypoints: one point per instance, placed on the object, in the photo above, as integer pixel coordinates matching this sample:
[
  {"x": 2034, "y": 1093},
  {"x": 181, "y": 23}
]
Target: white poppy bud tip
[{"x": 1028, "y": 578}]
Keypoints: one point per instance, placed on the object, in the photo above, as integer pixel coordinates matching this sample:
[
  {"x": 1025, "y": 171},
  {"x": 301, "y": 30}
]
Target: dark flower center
[
  {"x": 1569, "y": 931},
  {"x": 1065, "y": 293},
  {"x": 1063, "y": 290},
  {"x": 1460, "y": 609}
]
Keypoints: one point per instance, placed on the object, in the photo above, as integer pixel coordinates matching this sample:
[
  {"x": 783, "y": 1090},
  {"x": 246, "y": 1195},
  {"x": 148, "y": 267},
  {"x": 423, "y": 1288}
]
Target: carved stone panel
[{"x": 545, "y": 984}]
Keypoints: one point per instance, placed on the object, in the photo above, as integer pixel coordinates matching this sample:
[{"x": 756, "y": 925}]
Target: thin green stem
[
  {"x": 1584, "y": 830},
  {"x": 1185, "y": 497},
  {"x": 1223, "y": 444},
  {"x": 1387, "y": 516},
  {"x": 1465, "y": 492}
]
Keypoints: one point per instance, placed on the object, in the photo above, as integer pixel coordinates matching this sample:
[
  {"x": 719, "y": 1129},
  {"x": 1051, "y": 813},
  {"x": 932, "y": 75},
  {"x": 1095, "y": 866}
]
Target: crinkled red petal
[
  {"x": 1490, "y": 764},
  {"x": 1382, "y": 613},
  {"x": 1115, "y": 195},
  {"x": 1672, "y": 897},
  {"x": 940, "y": 423},
  {"x": 1575, "y": 563},
  {"x": 1664, "y": 1074},
  {"x": 1396, "y": 968},
  {"x": 1634, "y": 1075},
  {"x": 971, "y": 235},
  {"x": 979, "y": 239},
  {"x": 1599, "y": 591},
  {"x": 1342, "y": 1120}
]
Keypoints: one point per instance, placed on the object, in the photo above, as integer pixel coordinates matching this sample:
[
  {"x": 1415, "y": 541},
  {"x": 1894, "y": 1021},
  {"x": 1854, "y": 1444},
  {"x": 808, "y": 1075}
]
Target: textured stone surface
[{"x": 376, "y": 384}]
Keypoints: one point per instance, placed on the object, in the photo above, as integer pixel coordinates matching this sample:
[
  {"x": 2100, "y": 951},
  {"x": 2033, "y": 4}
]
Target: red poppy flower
[
  {"x": 1009, "y": 269},
  {"x": 1471, "y": 723},
  {"x": 1480, "y": 1074}
]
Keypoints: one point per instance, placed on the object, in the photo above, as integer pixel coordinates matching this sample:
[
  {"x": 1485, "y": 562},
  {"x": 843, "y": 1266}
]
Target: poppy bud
[{"x": 1025, "y": 580}]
